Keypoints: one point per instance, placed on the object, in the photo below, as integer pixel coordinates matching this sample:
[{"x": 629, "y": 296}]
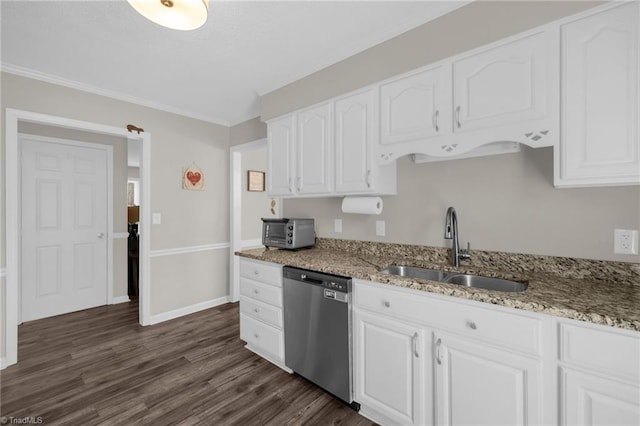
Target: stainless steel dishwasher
[{"x": 317, "y": 330}]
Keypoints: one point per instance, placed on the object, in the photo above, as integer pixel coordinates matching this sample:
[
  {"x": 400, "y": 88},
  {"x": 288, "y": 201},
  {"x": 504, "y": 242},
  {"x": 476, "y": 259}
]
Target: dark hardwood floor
[{"x": 100, "y": 367}]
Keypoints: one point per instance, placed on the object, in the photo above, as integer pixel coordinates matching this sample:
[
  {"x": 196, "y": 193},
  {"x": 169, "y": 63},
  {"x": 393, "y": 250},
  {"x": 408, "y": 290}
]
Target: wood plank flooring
[{"x": 99, "y": 367}]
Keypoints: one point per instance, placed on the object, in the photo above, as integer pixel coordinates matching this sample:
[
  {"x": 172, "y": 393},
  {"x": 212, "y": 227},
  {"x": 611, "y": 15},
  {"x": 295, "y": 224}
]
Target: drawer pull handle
[
  {"x": 472, "y": 325},
  {"x": 458, "y": 117},
  {"x": 437, "y": 351},
  {"x": 414, "y": 341},
  {"x": 256, "y": 272},
  {"x": 386, "y": 304}
]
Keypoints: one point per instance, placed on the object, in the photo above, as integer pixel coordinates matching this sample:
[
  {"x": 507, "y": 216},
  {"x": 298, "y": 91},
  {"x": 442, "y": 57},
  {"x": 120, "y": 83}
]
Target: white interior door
[{"x": 64, "y": 211}]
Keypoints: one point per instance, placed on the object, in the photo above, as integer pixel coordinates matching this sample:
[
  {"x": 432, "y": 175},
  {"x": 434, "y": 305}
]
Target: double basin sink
[{"x": 467, "y": 280}]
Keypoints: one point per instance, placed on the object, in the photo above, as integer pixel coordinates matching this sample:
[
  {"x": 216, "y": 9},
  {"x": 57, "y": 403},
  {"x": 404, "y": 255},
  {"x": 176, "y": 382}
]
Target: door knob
[{"x": 101, "y": 235}]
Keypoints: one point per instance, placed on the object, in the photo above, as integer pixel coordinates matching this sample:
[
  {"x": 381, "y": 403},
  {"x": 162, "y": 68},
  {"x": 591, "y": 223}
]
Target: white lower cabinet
[
  {"x": 261, "y": 318},
  {"x": 599, "y": 375},
  {"x": 477, "y": 384},
  {"x": 389, "y": 367},
  {"x": 597, "y": 401},
  {"x": 422, "y": 359}
]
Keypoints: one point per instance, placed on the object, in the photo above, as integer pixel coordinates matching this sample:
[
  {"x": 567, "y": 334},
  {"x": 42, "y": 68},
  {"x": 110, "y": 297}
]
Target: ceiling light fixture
[{"x": 175, "y": 14}]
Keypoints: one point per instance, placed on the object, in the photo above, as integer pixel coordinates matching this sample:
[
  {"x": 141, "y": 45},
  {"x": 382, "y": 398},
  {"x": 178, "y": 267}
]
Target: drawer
[
  {"x": 261, "y": 311},
  {"x": 262, "y": 292},
  {"x": 513, "y": 331},
  {"x": 269, "y": 273},
  {"x": 611, "y": 352},
  {"x": 262, "y": 337}
]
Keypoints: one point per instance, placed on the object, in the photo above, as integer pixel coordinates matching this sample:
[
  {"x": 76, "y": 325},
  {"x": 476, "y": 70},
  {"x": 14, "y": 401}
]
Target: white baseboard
[
  {"x": 166, "y": 316},
  {"x": 120, "y": 299}
]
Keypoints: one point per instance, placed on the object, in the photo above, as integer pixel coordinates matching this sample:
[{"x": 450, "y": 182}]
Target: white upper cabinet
[
  {"x": 504, "y": 92},
  {"x": 356, "y": 137},
  {"x": 314, "y": 150},
  {"x": 329, "y": 150},
  {"x": 355, "y": 134},
  {"x": 501, "y": 85},
  {"x": 600, "y": 140},
  {"x": 281, "y": 156},
  {"x": 415, "y": 106}
]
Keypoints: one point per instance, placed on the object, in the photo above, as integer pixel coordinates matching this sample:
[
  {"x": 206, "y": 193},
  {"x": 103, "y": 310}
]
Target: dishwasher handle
[{"x": 307, "y": 279}]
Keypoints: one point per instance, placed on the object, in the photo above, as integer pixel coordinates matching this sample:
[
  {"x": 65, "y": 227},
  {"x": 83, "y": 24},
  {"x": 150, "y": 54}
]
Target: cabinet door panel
[
  {"x": 355, "y": 135},
  {"x": 414, "y": 107},
  {"x": 502, "y": 85},
  {"x": 594, "y": 401},
  {"x": 479, "y": 385},
  {"x": 600, "y": 140},
  {"x": 387, "y": 372},
  {"x": 281, "y": 156},
  {"x": 314, "y": 150}
]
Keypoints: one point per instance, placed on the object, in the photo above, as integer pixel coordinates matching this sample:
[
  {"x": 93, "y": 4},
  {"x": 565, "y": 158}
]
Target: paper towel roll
[{"x": 362, "y": 205}]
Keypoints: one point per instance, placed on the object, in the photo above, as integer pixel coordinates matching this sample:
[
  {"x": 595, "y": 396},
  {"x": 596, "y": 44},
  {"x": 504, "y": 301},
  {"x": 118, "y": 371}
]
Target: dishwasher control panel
[{"x": 336, "y": 286}]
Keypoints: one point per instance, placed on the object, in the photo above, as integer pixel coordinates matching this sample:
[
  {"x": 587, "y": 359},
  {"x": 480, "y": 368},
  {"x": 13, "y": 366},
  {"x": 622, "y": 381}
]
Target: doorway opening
[
  {"x": 247, "y": 207},
  {"x": 14, "y": 120}
]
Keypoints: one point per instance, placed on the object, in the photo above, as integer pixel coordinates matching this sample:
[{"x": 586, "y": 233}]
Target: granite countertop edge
[{"x": 545, "y": 294}]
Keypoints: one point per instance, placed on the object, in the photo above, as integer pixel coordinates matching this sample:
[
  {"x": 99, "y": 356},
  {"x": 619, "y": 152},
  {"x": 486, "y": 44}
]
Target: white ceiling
[{"x": 215, "y": 73}]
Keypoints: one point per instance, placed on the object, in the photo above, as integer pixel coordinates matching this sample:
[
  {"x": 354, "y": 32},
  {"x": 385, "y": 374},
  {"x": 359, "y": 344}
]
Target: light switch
[
  {"x": 156, "y": 218},
  {"x": 337, "y": 226},
  {"x": 380, "y": 228}
]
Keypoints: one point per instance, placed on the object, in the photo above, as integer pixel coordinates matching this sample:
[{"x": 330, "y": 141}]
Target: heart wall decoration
[{"x": 193, "y": 178}]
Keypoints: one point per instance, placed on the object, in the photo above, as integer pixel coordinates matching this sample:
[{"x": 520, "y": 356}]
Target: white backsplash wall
[{"x": 504, "y": 203}]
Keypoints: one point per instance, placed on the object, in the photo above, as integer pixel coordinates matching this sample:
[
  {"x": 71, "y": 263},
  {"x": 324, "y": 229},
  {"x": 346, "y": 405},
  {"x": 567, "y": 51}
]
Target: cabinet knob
[
  {"x": 472, "y": 325},
  {"x": 255, "y": 290},
  {"x": 256, "y": 310},
  {"x": 386, "y": 304},
  {"x": 256, "y": 335}
]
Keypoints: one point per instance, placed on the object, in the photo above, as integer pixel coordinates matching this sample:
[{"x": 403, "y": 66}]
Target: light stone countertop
[{"x": 614, "y": 303}]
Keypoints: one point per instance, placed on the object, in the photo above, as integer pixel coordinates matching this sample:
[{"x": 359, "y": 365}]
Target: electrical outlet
[
  {"x": 380, "y": 228},
  {"x": 625, "y": 241},
  {"x": 337, "y": 226}
]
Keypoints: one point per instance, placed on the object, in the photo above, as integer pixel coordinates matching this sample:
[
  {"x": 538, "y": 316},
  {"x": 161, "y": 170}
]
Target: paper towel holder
[{"x": 362, "y": 205}]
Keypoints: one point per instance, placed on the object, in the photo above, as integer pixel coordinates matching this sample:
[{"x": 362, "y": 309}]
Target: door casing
[{"x": 12, "y": 216}]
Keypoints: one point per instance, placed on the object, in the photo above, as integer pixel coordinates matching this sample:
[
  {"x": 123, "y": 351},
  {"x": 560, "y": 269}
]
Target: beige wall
[
  {"x": 189, "y": 218},
  {"x": 471, "y": 26},
  {"x": 504, "y": 203},
  {"x": 255, "y": 205},
  {"x": 248, "y": 131}
]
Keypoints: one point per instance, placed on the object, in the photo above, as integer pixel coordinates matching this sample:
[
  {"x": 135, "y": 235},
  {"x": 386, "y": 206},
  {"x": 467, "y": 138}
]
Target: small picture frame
[{"x": 255, "y": 181}]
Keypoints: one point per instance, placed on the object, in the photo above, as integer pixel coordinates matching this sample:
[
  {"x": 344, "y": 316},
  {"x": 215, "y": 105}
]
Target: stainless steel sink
[
  {"x": 467, "y": 280},
  {"x": 487, "y": 283},
  {"x": 413, "y": 272}
]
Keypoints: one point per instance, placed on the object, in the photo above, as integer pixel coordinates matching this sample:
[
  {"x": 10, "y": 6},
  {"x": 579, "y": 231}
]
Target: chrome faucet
[{"x": 451, "y": 233}]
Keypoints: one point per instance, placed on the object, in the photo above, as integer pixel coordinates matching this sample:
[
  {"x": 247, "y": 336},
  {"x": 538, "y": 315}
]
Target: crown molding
[{"x": 60, "y": 81}]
